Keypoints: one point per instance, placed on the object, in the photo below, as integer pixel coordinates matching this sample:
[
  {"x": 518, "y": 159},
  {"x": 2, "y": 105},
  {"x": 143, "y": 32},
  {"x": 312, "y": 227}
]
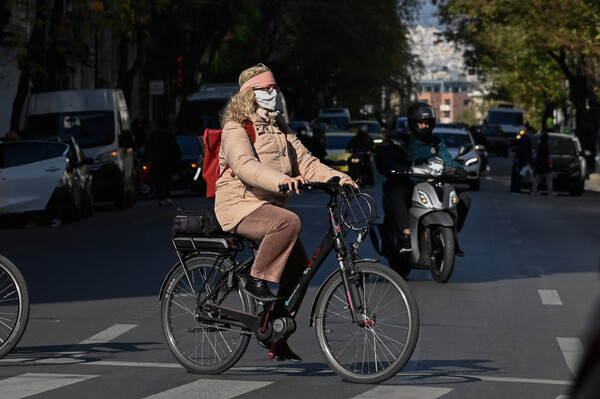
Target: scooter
[
  {"x": 434, "y": 223},
  {"x": 360, "y": 168},
  {"x": 145, "y": 185}
]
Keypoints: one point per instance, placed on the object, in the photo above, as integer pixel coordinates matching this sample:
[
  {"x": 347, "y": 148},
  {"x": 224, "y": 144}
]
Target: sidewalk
[{"x": 593, "y": 183}]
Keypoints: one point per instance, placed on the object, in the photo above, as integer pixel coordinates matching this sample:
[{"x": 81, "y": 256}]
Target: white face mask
[{"x": 265, "y": 99}]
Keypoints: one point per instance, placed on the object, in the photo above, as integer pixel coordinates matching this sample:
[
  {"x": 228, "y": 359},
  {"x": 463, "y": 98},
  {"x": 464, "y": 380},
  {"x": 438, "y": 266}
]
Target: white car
[
  {"x": 39, "y": 175},
  {"x": 471, "y": 162}
]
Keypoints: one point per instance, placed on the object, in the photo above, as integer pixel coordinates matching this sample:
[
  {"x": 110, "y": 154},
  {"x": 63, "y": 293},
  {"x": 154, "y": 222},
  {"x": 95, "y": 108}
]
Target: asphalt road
[{"x": 511, "y": 322}]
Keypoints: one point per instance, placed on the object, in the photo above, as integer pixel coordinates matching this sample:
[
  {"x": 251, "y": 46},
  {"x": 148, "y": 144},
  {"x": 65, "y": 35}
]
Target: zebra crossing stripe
[
  {"x": 214, "y": 389},
  {"x": 403, "y": 392},
  {"x": 86, "y": 346},
  {"x": 29, "y": 384},
  {"x": 550, "y": 297},
  {"x": 572, "y": 350}
]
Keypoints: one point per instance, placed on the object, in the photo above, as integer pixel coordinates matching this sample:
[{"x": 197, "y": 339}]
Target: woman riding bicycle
[{"x": 248, "y": 201}]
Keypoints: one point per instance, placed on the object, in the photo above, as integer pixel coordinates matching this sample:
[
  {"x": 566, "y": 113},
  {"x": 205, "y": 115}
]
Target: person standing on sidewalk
[{"x": 164, "y": 154}]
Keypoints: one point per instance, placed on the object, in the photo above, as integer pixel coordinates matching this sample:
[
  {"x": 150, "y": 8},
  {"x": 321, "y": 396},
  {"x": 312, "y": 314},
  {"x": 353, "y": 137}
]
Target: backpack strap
[{"x": 251, "y": 132}]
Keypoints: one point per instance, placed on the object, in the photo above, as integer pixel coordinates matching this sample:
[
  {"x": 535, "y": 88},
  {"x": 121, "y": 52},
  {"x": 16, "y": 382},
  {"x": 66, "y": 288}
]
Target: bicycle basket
[{"x": 358, "y": 211}]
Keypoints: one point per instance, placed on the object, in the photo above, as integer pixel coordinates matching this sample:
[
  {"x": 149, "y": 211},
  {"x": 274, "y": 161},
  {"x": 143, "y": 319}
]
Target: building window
[
  {"x": 446, "y": 114},
  {"x": 447, "y": 101},
  {"x": 466, "y": 102}
]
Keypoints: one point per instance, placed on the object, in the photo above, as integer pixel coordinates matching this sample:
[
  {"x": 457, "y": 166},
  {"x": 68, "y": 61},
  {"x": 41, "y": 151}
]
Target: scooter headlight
[
  {"x": 436, "y": 167},
  {"x": 453, "y": 199},
  {"x": 425, "y": 200}
]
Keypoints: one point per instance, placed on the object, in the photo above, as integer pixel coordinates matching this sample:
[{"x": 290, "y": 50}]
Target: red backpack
[{"x": 210, "y": 167}]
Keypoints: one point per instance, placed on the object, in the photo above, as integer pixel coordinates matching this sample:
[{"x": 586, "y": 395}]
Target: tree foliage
[
  {"x": 323, "y": 53},
  {"x": 538, "y": 53}
]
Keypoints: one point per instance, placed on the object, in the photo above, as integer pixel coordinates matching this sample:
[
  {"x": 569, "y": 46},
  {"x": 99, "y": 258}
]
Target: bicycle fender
[
  {"x": 311, "y": 319},
  {"x": 163, "y": 286},
  {"x": 438, "y": 219}
]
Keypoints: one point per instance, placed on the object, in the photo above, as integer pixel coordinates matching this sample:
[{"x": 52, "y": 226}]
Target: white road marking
[
  {"x": 86, "y": 346},
  {"x": 403, "y": 392},
  {"x": 550, "y": 297},
  {"x": 214, "y": 389},
  {"x": 572, "y": 350},
  {"x": 30, "y": 384}
]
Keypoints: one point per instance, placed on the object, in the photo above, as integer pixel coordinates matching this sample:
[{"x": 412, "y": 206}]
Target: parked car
[
  {"x": 188, "y": 173},
  {"x": 46, "y": 177},
  {"x": 99, "y": 120},
  {"x": 375, "y": 130},
  {"x": 454, "y": 139},
  {"x": 495, "y": 140},
  {"x": 337, "y": 157},
  {"x": 569, "y": 165}
]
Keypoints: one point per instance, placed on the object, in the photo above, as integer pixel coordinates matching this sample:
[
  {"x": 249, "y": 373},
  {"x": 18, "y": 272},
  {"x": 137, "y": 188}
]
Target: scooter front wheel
[{"x": 442, "y": 253}]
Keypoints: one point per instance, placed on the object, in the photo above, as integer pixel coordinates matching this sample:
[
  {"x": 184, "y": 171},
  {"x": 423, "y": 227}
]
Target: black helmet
[{"x": 418, "y": 112}]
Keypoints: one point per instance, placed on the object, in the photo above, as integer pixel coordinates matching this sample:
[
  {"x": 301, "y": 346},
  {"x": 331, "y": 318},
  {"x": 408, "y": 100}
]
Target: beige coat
[{"x": 258, "y": 170}]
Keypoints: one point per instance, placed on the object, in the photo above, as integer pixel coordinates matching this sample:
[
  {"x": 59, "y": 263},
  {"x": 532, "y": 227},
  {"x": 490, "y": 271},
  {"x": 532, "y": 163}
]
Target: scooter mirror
[{"x": 464, "y": 149}]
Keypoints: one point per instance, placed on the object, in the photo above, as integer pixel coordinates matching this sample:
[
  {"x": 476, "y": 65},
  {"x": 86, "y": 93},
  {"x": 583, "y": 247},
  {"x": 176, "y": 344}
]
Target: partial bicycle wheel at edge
[
  {"x": 14, "y": 306},
  {"x": 199, "y": 344},
  {"x": 381, "y": 346}
]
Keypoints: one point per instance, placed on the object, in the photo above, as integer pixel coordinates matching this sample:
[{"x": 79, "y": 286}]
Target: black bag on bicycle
[{"x": 196, "y": 222}]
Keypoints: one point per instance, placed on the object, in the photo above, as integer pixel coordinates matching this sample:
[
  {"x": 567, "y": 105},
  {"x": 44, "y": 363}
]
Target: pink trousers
[{"x": 281, "y": 256}]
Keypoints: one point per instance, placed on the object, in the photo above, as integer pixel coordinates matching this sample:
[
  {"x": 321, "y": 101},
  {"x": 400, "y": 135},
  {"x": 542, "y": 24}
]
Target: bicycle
[
  {"x": 365, "y": 315},
  {"x": 14, "y": 306}
]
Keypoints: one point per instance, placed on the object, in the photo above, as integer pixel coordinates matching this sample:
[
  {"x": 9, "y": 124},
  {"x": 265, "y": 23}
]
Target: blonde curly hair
[{"x": 242, "y": 104}]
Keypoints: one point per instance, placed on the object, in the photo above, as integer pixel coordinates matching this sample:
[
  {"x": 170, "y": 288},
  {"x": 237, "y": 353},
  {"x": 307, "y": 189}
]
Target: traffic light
[{"x": 179, "y": 79}]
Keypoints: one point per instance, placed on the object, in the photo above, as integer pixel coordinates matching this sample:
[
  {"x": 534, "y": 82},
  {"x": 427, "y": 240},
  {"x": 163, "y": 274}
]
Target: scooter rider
[{"x": 413, "y": 146}]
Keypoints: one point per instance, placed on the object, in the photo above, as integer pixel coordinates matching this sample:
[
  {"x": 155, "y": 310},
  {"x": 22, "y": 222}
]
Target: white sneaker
[{"x": 169, "y": 201}]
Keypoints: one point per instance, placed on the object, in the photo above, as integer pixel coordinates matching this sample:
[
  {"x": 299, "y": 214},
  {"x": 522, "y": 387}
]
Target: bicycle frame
[{"x": 333, "y": 240}]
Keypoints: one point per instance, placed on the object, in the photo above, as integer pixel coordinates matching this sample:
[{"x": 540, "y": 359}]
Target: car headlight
[
  {"x": 107, "y": 156},
  {"x": 453, "y": 199},
  {"x": 471, "y": 161},
  {"x": 425, "y": 200},
  {"x": 355, "y": 160}
]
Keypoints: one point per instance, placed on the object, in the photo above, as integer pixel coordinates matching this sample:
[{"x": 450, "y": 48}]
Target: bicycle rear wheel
[
  {"x": 378, "y": 347},
  {"x": 14, "y": 306},
  {"x": 198, "y": 343}
]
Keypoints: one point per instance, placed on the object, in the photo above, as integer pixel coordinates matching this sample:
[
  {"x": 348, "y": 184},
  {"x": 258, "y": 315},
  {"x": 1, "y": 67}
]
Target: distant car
[
  {"x": 454, "y": 139},
  {"x": 375, "y": 130},
  {"x": 400, "y": 122},
  {"x": 300, "y": 125},
  {"x": 45, "y": 176},
  {"x": 569, "y": 166},
  {"x": 337, "y": 157},
  {"x": 188, "y": 173},
  {"x": 495, "y": 140}
]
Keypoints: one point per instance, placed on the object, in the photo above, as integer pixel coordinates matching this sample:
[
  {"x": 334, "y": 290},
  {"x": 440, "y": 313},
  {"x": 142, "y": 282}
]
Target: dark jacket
[
  {"x": 542, "y": 162},
  {"x": 405, "y": 150}
]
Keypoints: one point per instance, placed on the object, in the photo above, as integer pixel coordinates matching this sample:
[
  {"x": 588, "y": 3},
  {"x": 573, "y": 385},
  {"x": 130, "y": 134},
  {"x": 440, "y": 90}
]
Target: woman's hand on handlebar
[{"x": 293, "y": 183}]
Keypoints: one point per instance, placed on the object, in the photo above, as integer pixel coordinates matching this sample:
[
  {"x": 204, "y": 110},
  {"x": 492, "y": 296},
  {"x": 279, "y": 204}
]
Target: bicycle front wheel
[
  {"x": 14, "y": 306},
  {"x": 382, "y": 342},
  {"x": 200, "y": 342}
]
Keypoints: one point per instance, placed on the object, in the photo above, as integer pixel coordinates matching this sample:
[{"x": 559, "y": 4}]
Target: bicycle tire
[
  {"x": 202, "y": 346},
  {"x": 14, "y": 306},
  {"x": 442, "y": 262},
  {"x": 379, "y": 350}
]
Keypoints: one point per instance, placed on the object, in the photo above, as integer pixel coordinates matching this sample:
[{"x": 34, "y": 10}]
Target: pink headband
[{"x": 261, "y": 80}]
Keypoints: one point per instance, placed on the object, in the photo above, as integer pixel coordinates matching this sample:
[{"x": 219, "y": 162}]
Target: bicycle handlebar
[{"x": 331, "y": 186}]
